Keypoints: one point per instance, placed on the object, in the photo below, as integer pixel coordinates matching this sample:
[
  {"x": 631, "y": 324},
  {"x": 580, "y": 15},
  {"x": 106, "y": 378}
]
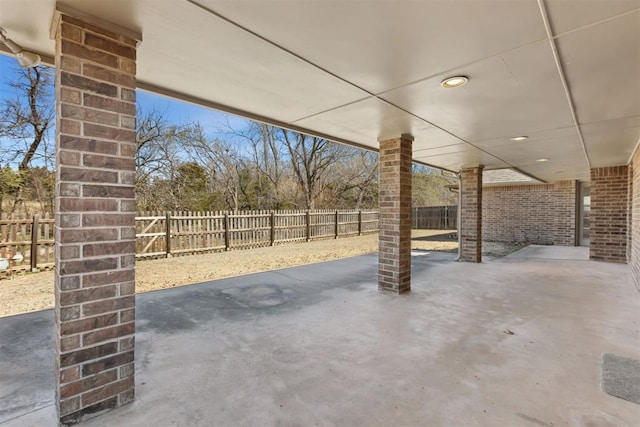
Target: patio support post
[
  {"x": 470, "y": 227},
  {"x": 609, "y": 214},
  {"x": 394, "y": 255},
  {"x": 94, "y": 222}
]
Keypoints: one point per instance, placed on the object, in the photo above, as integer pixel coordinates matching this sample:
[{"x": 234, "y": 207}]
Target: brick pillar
[
  {"x": 563, "y": 207},
  {"x": 471, "y": 215},
  {"x": 609, "y": 211},
  {"x": 94, "y": 223},
  {"x": 394, "y": 256}
]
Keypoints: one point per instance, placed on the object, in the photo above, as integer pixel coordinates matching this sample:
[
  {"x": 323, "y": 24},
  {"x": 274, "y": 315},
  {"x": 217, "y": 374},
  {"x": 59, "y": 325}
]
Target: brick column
[
  {"x": 394, "y": 256},
  {"x": 609, "y": 211},
  {"x": 471, "y": 215},
  {"x": 94, "y": 224}
]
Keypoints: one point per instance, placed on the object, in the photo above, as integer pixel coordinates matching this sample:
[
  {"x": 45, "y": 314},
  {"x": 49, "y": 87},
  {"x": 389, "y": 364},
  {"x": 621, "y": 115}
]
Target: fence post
[
  {"x": 308, "y": 216},
  {"x": 336, "y": 228},
  {"x": 359, "y": 223},
  {"x": 226, "y": 231},
  {"x": 167, "y": 231},
  {"x": 35, "y": 232},
  {"x": 273, "y": 228},
  {"x": 446, "y": 217}
]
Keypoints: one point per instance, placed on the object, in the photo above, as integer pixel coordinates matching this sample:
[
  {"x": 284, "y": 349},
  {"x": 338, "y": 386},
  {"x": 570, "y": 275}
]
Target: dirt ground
[{"x": 33, "y": 292}]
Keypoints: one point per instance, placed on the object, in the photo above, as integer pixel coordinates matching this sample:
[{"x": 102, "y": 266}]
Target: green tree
[
  {"x": 9, "y": 183},
  {"x": 190, "y": 184}
]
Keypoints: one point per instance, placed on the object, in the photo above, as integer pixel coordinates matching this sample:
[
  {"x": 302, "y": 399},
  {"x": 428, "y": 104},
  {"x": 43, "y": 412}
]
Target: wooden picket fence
[
  {"x": 27, "y": 242},
  {"x": 164, "y": 234},
  {"x": 435, "y": 218}
]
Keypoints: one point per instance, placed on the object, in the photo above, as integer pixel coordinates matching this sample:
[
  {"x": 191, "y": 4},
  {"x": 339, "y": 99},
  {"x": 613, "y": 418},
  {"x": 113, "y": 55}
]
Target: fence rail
[
  {"x": 435, "y": 218},
  {"x": 160, "y": 234},
  {"x": 26, "y": 243}
]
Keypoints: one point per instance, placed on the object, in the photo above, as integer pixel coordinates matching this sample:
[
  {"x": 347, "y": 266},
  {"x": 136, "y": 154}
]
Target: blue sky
[
  {"x": 176, "y": 111},
  {"x": 182, "y": 112}
]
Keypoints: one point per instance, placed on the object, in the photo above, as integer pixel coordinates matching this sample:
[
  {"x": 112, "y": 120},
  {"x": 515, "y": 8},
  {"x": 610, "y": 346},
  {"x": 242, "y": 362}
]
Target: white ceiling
[{"x": 360, "y": 71}]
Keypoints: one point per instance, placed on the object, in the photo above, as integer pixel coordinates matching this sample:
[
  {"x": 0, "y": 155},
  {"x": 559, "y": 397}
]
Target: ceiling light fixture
[
  {"x": 25, "y": 59},
  {"x": 455, "y": 81},
  {"x": 519, "y": 138},
  {"x": 542, "y": 160}
]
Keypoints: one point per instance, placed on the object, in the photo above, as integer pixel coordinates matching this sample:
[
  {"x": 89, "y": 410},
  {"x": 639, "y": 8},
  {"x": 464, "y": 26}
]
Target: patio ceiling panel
[
  {"x": 561, "y": 146},
  {"x": 569, "y": 15},
  {"x": 607, "y": 85},
  {"x": 512, "y": 94},
  {"x": 234, "y": 68},
  {"x": 533, "y": 137},
  {"x": 368, "y": 121},
  {"x": 459, "y": 157},
  {"x": 559, "y": 150},
  {"x": 611, "y": 140},
  {"x": 381, "y": 45}
]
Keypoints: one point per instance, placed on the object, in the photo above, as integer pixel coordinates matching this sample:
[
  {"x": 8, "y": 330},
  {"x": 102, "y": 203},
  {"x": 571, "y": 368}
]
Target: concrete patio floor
[{"x": 318, "y": 345}]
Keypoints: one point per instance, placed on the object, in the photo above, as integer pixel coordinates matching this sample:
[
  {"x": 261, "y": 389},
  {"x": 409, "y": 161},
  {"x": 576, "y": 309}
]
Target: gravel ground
[{"x": 32, "y": 292}]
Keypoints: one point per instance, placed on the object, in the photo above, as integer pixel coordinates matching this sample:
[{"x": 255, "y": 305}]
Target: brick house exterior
[
  {"x": 539, "y": 214},
  {"x": 634, "y": 219}
]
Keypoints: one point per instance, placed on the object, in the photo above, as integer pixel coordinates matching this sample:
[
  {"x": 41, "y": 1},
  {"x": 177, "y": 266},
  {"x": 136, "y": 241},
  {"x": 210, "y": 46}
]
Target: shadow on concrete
[{"x": 441, "y": 237}]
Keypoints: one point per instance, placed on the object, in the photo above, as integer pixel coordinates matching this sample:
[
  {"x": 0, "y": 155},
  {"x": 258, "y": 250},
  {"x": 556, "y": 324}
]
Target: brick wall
[
  {"x": 538, "y": 214},
  {"x": 609, "y": 213},
  {"x": 471, "y": 215},
  {"x": 634, "y": 253},
  {"x": 394, "y": 255},
  {"x": 94, "y": 231},
  {"x": 630, "y": 198}
]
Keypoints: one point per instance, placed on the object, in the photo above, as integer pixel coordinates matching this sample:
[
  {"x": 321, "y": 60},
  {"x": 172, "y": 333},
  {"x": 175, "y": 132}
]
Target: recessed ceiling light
[
  {"x": 455, "y": 81},
  {"x": 519, "y": 138},
  {"x": 542, "y": 160}
]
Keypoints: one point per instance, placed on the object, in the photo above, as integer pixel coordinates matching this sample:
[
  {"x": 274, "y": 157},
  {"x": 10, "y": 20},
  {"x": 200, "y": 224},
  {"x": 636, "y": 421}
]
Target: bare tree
[
  {"x": 355, "y": 179},
  {"x": 225, "y": 165},
  {"x": 311, "y": 159},
  {"x": 160, "y": 155},
  {"x": 430, "y": 187},
  {"x": 266, "y": 161},
  {"x": 26, "y": 121}
]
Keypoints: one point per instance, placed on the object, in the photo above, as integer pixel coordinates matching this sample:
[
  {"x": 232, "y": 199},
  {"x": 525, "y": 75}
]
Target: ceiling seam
[
  {"x": 149, "y": 87},
  {"x": 499, "y": 54},
  {"x": 331, "y": 109},
  {"x": 593, "y": 24},
  {"x": 460, "y": 66},
  {"x": 276, "y": 45},
  {"x": 633, "y": 152},
  {"x": 369, "y": 93},
  {"x": 457, "y": 137},
  {"x": 422, "y": 79},
  {"x": 563, "y": 79},
  {"x": 613, "y": 120}
]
